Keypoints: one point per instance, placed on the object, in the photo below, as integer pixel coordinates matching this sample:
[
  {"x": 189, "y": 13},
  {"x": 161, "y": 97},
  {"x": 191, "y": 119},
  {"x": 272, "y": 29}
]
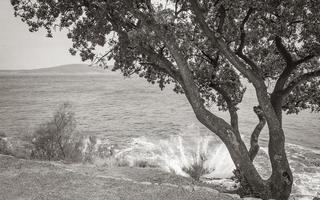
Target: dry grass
[{"x": 25, "y": 179}]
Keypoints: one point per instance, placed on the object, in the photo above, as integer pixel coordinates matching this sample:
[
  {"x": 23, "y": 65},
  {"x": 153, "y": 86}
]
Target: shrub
[
  {"x": 51, "y": 139},
  {"x": 196, "y": 170}
]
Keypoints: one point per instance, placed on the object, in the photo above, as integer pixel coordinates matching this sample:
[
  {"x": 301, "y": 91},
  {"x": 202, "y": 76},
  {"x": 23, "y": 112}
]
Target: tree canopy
[{"x": 206, "y": 49}]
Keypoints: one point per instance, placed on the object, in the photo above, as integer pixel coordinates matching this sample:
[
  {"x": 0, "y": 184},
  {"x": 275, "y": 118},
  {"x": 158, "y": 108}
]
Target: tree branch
[
  {"x": 210, "y": 59},
  {"x": 254, "y": 141},
  {"x": 282, "y": 50},
  {"x": 161, "y": 63},
  {"x": 222, "y": 16},
  {"x": 99, "y": 59},
  {"x": 231, "y": 108},
  {"x": 242, "y": 32},
  {"x": 301, "y": 79},
  {"x": 305, "y": 59},
  {"x": 291, "y": 65},
  {"x": 239, "y": 51}
]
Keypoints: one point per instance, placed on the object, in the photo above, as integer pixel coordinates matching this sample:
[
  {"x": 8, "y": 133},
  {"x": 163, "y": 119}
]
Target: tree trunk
[
  {"x": 281, "y": 179},
  {"x": 280, "y": 182}
]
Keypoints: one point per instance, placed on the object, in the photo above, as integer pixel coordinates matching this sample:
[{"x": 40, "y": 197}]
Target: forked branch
[{"x": 291, "y": 64}]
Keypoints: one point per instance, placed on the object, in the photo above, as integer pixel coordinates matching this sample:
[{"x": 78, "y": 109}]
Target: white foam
[{"x": 182, "y": 151}]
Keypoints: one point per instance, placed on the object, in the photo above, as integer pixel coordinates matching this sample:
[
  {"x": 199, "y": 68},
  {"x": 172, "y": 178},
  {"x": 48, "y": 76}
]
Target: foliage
[{"x": 51, "y": 139}]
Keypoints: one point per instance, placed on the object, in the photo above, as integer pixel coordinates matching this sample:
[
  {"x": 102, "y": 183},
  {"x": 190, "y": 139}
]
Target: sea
[{"x": 150, "y": 124}]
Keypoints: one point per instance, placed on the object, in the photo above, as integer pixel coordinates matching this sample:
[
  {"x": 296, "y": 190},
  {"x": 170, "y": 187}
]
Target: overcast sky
[{"x": 20, "y": 49}]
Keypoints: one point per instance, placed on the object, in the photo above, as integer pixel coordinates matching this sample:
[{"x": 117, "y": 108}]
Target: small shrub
[
  {"x": 51, "y": 138},
  {"x": 196, "y": 170}
]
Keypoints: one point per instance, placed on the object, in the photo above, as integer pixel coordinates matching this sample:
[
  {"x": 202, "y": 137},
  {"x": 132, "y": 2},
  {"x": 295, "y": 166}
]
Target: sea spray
[{"x": 181, "y": 152}]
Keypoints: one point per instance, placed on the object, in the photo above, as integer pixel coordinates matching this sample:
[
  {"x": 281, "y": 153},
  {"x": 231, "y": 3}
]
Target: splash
[{"x": 181, "y": 152}]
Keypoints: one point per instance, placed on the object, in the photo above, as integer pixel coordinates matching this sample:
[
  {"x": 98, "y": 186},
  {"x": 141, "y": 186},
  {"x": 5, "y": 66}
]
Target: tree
[{"x": 206, "y": 49}]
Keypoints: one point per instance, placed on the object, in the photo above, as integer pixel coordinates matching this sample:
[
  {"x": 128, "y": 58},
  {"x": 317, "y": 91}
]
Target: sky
[{"x": 21, "y": 49}]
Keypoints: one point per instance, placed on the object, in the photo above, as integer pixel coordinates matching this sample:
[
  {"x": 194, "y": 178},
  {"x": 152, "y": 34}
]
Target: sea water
[{"x": 156, "y": 126}]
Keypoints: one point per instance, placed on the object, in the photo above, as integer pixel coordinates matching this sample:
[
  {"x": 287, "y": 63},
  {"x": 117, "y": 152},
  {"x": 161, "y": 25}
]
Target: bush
[
  {"x": 196, "y": 170},
  {"x": 51, "y": 139}
]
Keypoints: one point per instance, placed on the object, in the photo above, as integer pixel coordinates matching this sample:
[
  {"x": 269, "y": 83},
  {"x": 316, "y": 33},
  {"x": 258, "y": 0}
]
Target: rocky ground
[{"x": 33, "y": 180}]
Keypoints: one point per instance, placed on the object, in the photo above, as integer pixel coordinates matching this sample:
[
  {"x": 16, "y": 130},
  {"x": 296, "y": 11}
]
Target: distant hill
[
  {"x": 73, "y": 68},
  {"x": 63, "y": 69}
]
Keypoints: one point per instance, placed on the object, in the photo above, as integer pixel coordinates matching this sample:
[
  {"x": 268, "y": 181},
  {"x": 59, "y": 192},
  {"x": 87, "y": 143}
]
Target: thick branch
[
  {"x": 239, "y": 51},
  {"x": 301, "y": 79},
  {"x": 302, "y": 60},
  {"x": 231, "y": 108},
  {"x": 161, "y": 63},
  {"x": 278, "y": 94},
  {"x": 290, "y": 65},
  {"x": 242, "y": 32},
  {"x": 282, "y": 50},
  {"x": 254, "y": 141}
]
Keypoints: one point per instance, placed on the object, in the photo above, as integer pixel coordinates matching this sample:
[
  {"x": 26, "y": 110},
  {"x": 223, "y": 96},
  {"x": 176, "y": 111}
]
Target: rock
[
  {"x": 234, "y": 196},
  {"x": 206, "y": 189}
]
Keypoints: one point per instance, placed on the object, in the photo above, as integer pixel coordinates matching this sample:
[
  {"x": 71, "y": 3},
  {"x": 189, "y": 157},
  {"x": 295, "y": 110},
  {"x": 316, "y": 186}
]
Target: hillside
[
  {"x": 63, "y": 69},
  {"x": 73, "y": 68},
  {"x": 25, "y": 179}
]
